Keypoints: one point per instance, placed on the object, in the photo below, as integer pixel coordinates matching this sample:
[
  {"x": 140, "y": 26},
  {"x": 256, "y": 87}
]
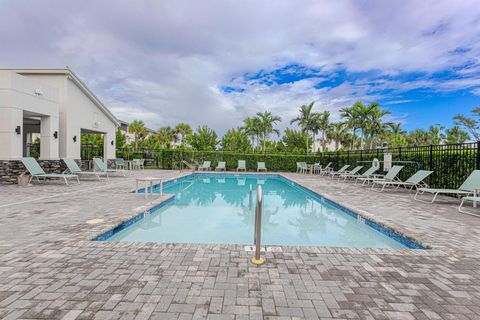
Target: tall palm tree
[
  {"x": 307, "y": 120},
  {"x": 266, "y": 122},
  {"x": 184, "y": 130},
  {"x": 137, "y": 127},
  {"x": 323, "y": 125},
  {"x": 352, "y": 120},
  {"x": 251, "y": 128},
  {"x": 165, "y": 136}
]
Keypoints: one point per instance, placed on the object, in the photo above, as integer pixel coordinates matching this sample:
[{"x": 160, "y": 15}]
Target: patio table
[{"x": 149, "y": 181}]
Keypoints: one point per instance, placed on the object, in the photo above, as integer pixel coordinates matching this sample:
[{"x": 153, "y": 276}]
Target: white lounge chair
[
  {"x": 36, "y": 171},
  {"x": 352, "y": 172},
  {"x": 467, "y": 188},
  {"x": 100, "y": 166},
  {"x": 327, "y": 169},
  {"x": 416, "y": 181},
  {"x": 73, "y": 168},
  {"x": 221, "y": 166},
  {"x": 339, "y": 172},
  {"x": 242, "y": 165},
  {"x": 370, "y": 171},
  {"x": 261, "y": 167},
  {"x": 390, "y": 176},
  {"x": 205, "y": 166}
]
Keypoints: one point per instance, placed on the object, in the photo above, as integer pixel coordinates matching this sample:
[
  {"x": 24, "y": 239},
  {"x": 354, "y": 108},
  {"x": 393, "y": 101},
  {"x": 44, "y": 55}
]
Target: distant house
[
  {"x": 130, "y": 137},
  {"x": 55, "y": 105},
  {"x": 317, "y": 146}
]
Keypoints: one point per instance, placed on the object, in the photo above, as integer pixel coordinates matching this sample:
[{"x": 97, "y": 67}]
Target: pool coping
[{"x": 370, "y": 219}]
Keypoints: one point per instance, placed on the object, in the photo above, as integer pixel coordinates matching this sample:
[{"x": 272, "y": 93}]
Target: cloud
[{"x": 170, "y": 61}]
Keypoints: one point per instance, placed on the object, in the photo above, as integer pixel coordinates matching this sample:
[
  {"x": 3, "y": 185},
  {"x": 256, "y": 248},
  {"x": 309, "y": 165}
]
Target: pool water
[{"x": 210, "y": 208}]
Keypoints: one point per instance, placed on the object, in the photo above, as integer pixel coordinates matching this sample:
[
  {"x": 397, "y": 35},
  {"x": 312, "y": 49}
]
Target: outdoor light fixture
[
  {"x": 112, "y": 143},
  {"x": 18, "y": 130},
  {"x": 74, "y": 138},
  {"x": 55, "y": 134}
]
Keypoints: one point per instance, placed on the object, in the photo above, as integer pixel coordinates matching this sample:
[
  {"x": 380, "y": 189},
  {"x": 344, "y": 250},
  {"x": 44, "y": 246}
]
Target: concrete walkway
[{"x": 49, "y": 268}]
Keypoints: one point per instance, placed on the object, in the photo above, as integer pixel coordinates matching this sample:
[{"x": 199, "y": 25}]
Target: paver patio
[{"x": 49, "y": 268}]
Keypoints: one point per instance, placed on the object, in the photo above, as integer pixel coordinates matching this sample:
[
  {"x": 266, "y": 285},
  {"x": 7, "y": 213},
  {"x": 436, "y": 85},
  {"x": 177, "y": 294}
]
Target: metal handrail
[{"x": 258, "y": 228}]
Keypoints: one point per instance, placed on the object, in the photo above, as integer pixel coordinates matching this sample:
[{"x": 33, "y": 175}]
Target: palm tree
[
  {"x": 337, "y": 133},
  {"x": 165, "y": 135},
  {"x": 352, "y": 122},
  {"x": 307, "y": 120},
  {"x": 251, "y": 128},
  {"x": 323, "y": 125},
  {"x": 184, "y": 130},
  {"x": 266, "y": 121},
  {"x": 137, "y": 127}
]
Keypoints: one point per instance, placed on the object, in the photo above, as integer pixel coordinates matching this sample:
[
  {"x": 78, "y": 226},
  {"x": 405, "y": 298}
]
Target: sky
[{"x": 218, "y": 62}]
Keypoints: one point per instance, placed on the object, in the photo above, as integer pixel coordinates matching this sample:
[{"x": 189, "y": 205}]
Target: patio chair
[
  {"x": 352, "y": 172},
  {"x": 142, "y": 164},
  {"x": 467, "y": 188},
  {"x": 36, "y": 171},
  {"x": 242, "y": 165},
  {"x": 370, "y": 171},
  {"x": 474, "y": 199},
  {"x": 302, "y": 167},
  {"x": 102, "y": 167},
  {"x": 120, "y": 163},
  {"x": 261, "y": 167},
  {"x": 339, "y": 172},
  {"x": 221, "y": 166},
  {"x": 326, "y": 169},
  {"x": 73, "y": 168},
  {"x": 415, "y": 181},
  {"x": 136, "y": 164},
  {"x": 390, "y": 176},
  {"x": 205, "y": 166}
]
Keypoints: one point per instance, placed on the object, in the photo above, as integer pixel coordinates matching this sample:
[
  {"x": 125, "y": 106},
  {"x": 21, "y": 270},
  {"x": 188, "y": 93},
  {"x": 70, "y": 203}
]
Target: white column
[
  {"x": 48, "y": 143},
  {"x": 11, "y": 143}
]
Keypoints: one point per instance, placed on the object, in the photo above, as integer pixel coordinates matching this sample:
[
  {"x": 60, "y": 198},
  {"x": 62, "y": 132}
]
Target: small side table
[{"x": 149, "y": 181}]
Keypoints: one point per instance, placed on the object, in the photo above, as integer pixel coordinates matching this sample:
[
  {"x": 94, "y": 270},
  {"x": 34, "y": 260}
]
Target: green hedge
[{"x": 451, "y": 165}]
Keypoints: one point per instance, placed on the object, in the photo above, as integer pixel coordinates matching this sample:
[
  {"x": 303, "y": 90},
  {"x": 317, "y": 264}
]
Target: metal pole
[{"x": 257, "y": 260}]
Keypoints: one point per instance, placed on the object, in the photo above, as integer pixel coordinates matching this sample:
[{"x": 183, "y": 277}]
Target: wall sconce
[
  {"x": 74, "y": 138},
  {"x": 18, "y": 130},
  {"x": 112, "y": 143},
  {"x": 55, "y": 134}
]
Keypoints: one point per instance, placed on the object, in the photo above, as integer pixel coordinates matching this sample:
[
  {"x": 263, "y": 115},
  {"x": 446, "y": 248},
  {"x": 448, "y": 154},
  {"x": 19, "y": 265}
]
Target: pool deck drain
[{"x": 50, "y": 270}]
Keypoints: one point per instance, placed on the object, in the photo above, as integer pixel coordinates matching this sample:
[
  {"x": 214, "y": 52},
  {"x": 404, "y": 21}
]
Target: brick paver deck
[{"x": 49, "y": 268}]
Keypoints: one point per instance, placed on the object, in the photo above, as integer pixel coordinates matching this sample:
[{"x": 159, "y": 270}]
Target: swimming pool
[{"x": 217, "y": 208}]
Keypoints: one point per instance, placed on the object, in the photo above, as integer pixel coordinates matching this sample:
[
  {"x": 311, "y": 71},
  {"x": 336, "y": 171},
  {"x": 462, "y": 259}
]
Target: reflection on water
[{"x": 222, "y": 210}]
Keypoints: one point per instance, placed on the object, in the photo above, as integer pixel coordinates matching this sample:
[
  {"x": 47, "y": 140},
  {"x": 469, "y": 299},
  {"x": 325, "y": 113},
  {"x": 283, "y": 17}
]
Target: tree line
[{"x": 360, "y": 127}]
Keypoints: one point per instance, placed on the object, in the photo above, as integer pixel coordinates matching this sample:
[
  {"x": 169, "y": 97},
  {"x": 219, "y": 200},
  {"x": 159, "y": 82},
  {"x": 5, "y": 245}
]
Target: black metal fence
[
  {"x": 90, "y": 151},
  {"x": 451, "y": 163}
]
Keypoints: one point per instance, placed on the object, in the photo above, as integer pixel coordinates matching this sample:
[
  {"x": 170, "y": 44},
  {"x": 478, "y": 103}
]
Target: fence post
[
  {"x": 478, "y": 155},
  {"x": 430, "y": 158}
]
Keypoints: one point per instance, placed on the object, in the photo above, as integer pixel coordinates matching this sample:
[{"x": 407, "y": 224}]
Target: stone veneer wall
[{"x": 11, "y": 169}]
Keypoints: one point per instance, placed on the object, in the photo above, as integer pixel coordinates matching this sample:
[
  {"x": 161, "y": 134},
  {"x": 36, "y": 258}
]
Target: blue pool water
[{"x": 210, "y": 208}]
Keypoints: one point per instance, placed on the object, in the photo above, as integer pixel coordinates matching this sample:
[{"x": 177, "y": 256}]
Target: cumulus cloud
[{"x": 170, "y": 61}]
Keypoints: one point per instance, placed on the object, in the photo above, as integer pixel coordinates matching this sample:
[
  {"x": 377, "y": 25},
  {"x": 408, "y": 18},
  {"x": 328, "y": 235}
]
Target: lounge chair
[
  {"x": 415, "y": 181},
  {"x": 261, "y": 167},
  {"x": 390, "y": 176},
  {"x": 466, "y": 189},
  {"x": 120, "y": 163},
  {"x": 205, "y": 166},
  {"x": 326, "y": 169},
  {"x": 73, "y": 168},
  {"x": 370, "y": 171},
  {"x": 353, "y": 172},
  {"x": 241, "y": 165},
  {"x": 221, "y": 166},
  {"x": 339, "y": 172},
  {"x": 302, "y": 167},
  {"x": 102, "y": 167},
  {"x": 37, "y": 172},
  {"x": 474, "y": 199}
]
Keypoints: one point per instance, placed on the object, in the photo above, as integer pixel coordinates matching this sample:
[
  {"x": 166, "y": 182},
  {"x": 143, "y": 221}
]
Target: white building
[
  {"x": 55, "y": 104},
  {"x": 317, "y": 146}
]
